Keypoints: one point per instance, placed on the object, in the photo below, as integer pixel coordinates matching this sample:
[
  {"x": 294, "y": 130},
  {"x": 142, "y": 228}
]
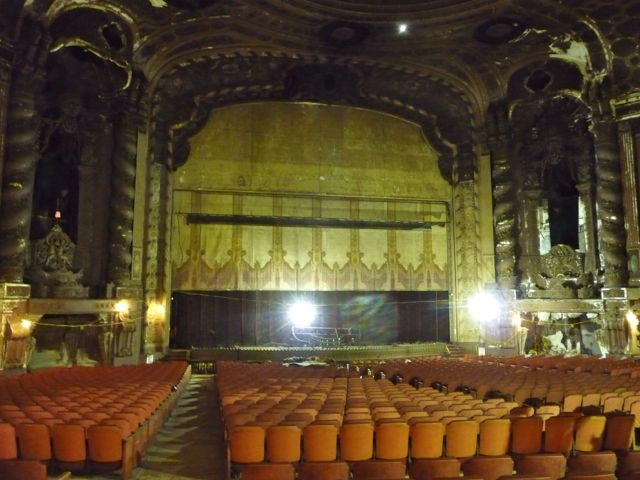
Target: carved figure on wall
[
  {"x": 561, "y": 275},
  {"x": 51, "y": 271}
]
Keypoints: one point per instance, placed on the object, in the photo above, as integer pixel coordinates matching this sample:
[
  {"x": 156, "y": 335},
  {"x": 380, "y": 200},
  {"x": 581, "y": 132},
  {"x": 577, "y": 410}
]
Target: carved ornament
[
  {"x": 186, "y": 95},
  {"x": 51, "y": 271}
]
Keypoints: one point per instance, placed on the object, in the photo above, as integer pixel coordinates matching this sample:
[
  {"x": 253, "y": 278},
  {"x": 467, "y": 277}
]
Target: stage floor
[{"x": 279, "y": 353}]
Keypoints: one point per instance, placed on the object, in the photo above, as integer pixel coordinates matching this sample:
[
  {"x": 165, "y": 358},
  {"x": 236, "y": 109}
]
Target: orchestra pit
[{"x": 319, "y": 239}]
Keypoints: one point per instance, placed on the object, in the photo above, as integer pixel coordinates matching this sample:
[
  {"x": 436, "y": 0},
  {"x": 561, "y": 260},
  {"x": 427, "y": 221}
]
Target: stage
[{"x": 336, "y": 354}]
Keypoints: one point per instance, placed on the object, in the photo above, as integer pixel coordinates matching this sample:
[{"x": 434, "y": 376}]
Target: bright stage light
[
  {"x": 484, "y": 307},
  {"x": 302, "y": 314}
]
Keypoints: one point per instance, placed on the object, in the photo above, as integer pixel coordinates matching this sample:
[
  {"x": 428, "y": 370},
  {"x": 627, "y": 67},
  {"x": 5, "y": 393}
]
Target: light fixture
[
  {"x": 484, "y": 307},
  {"x": 26, "y": 323},
  {"x": 631, "y": 318},
  {"x": 403, "y": 28},
  {"x": 302, "y": 314},
  {"x": 122, "y": 306},
  {"x": 159, "y": 309}
]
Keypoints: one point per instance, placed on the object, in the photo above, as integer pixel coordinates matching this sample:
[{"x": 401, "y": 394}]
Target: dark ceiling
[{"x": 474, "y": 44}]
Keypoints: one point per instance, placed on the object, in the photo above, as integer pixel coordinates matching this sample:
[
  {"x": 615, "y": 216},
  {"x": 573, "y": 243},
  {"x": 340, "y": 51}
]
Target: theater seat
[
  {"x": 34, "y": 442},
  {"x": 105, "y": 447},
  {"x": 69, "y": 446},
  {"x": 8, "y": 444}
]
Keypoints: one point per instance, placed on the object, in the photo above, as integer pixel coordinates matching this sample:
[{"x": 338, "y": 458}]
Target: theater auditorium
[{"x": 319, "y": 239}]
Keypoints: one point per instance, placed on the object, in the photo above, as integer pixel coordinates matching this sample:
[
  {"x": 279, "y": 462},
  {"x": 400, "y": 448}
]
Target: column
[
  {"x": 157, "y": 276},
  {"x": 467, "y": 253},
  {"x": 21, "y": 157},
  {"x": 122, "y": 195},
  {"x": 504, "y": 200},
  {"x": 6, "y": 54},
  {"x": 609, "y": 210},
  {"x": 128, "y": 329}
]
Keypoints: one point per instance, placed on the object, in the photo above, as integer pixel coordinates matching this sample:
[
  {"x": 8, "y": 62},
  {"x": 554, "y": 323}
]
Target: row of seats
[
  {"x": 530, "y": 467},
  {"x": 269, "y": 420},
  {"x": 100, "y": 417},
  {"x": 519, "y": 381},
  {"x": 355, "y": 442}
]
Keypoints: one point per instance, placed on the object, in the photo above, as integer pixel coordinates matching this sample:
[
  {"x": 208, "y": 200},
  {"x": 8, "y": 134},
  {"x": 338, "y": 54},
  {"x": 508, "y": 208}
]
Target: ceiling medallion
[
  {"x": 499, "y": 30},
  {"x": 343, "y": 34}
]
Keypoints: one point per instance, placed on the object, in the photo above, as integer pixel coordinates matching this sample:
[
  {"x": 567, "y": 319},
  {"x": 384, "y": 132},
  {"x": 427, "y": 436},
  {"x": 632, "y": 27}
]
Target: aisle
[{"x": 191, "y": 443}]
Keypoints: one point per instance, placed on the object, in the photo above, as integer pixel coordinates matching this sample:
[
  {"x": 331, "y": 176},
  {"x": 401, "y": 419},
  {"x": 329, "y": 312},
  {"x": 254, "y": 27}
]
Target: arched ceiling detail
[{"x": 185, "y": 96}]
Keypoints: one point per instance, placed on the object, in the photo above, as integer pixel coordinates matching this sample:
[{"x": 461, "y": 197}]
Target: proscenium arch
[{"x": 186, "y": 95}]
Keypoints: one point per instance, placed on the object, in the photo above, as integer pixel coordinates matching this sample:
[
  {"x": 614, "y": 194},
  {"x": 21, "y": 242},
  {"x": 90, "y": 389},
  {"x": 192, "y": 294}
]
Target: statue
[
  {"x": 51, "y": 272},
  {"x": 561, "y": 275}
]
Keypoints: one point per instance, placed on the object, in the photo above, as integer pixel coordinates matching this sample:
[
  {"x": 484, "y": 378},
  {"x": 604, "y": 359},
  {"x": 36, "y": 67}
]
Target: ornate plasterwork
[
  {"x": 466, "y": 233},
  {"x": 186, "y": 95}
]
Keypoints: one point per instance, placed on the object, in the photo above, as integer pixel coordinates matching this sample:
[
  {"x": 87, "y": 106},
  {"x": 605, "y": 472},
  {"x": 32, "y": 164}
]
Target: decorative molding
[{"x": 185, "y": 97}]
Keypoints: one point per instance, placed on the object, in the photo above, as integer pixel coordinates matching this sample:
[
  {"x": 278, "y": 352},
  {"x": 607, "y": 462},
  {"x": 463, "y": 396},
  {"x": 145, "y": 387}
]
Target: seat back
[
  {"x": 494, "y": 437},
  {"x": 619, "y": 432},
  {"x": 559, "y": 434},
  {"x": 426, "y": 440},
  {"x": 356, "y": 442},
  {"x": 461, "y": 439},
  {"x": 34, "y": 442},
  {"x": 392, "y": 441},
  {"x": 612, "y": 404},
  {"x": 246, "y": 444},
  {"x": 590, "y": 433},
  {"x": 105, "y": 444},
  {"x": 23, "y": 470},
  {"x": 69, "y": 443},
  {"x": 320, "y": 443},
  {"x": 526, "y": 435},
  {"x": 283, "y": 443},
  {"x": 8, "y": 443},
  {"x": 572, "y": 402}
]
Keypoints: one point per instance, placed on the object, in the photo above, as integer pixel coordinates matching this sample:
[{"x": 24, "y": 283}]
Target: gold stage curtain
[{"x": 225, "y": 257}]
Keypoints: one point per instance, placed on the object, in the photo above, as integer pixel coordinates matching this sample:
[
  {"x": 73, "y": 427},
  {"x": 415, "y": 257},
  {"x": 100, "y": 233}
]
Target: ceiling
[{"x": 456, "y": 55}]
